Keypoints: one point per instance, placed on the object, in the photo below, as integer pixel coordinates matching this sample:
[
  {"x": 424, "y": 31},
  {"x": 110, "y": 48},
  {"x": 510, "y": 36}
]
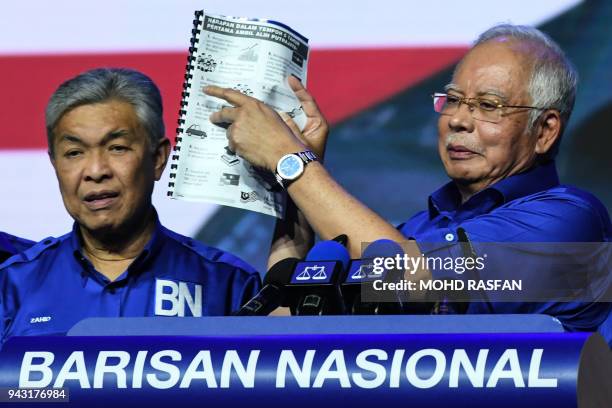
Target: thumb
[{"x": 291, "y": 124}]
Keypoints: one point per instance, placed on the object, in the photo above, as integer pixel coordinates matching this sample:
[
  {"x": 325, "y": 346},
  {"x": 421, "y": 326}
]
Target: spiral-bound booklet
[{"x": 254, "y": 57}]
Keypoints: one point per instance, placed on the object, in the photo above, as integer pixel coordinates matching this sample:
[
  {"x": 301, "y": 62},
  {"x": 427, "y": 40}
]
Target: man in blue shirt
[
  {"x": 107, "y": 145},
  {"x": 11, "y": 245},
  {"x": 500, "y": 126}
]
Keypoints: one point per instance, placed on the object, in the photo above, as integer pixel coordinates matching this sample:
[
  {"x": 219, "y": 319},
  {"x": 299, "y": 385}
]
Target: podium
[{"x": 354, "y": 361}]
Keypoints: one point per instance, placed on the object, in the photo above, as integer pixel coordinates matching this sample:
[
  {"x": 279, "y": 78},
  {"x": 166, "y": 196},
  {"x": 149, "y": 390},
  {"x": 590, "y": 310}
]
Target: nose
[
  {"x": 462, "y": 120},
  {"x": 97, "y": 167}
]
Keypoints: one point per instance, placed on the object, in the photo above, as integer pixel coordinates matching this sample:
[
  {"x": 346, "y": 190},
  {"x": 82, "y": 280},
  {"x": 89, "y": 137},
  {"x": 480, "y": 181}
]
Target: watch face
[{"x": 290, "y": 167}]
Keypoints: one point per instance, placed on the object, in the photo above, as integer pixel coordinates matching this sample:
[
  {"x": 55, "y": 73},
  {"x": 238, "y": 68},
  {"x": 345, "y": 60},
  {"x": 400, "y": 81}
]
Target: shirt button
[{"x": 449, "y": 237}]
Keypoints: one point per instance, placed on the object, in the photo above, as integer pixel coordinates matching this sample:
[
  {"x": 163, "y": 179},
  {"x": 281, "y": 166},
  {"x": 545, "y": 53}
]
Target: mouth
[
  {"x": 460, "y": 152},
  {"x": 100, "y": 200}
]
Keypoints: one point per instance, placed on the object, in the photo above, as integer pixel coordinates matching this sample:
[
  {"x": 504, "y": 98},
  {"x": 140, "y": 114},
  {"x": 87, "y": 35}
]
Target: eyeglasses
[{"x": 485, "y": 109}]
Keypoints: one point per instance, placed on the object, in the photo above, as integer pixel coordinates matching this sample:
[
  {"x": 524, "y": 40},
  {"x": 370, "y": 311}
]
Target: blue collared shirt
[
  {"x": 11, "y": 245},
  {"x": 524, "y": 208},
  {"x": 51, "y": 286}
]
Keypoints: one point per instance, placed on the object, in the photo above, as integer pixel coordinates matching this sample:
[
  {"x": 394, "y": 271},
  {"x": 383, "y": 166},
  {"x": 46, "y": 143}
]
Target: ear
[
  {"x": 548, "y": 131},
  {"x": 160, "y": 157}
]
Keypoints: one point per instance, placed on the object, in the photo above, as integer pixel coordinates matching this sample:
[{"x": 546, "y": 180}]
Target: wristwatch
[{"x": 291, "y": 166}]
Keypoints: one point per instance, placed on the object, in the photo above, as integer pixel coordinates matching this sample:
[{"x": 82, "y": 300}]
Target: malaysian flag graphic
[{"x": 372, "y": 67}]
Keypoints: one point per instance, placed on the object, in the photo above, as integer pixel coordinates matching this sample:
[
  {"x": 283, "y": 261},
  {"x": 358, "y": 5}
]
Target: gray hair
[
  {"x": 104, "y": 84},
  {"x": 553, "y": 77}
]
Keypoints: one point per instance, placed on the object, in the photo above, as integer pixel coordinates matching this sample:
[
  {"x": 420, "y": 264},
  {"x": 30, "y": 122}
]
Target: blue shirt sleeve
[
  {"x": 247, "y": 287},
  {"x": 5, "y": 306},
  {"x": 605, "y": 329},
  {"x": 11, "y": 245},
  {"x": 246, "y": 282}
]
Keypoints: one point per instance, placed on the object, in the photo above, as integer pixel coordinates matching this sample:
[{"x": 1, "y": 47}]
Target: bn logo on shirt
[{"x": 177, "y": 298}]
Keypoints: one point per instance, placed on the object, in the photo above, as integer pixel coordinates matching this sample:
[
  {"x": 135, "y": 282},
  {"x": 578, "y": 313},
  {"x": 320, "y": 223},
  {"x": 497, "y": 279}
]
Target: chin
[
  {"x": 466, "y": 168},
  {"x": 455, "y": 173},
  {"x": 465, "y": 178},
  {"x": 99, "y": 226}
]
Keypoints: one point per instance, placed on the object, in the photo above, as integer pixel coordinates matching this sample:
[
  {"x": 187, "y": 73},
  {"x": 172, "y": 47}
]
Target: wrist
[
  {"x": 291, "y": 167},
  {"x": 286, "y": 149}
]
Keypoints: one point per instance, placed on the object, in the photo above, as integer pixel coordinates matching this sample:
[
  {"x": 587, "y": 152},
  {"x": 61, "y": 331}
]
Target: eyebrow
[
  {"x": 451, "y": 87},
  {"x": 71, "y": 139},
  {"x": 115, "y": 134},
  {"x": 494, "y": 92}
]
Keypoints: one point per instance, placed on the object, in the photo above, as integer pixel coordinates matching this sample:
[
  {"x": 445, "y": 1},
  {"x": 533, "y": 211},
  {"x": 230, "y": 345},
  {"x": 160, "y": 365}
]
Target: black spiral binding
[{"x": 198, "y": 23}]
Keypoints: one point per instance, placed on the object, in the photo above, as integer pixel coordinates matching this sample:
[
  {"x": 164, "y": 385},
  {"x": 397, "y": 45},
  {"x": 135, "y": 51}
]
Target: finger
[
  {"x": 290, "y": 123},
  {"x": 225, "y": 115},
  {"x": 308, "y": 103},
  {"x": 228, "y": 149},
  {"x": 230, "y": 141},
  {"x": 298, "y": 89},
  {"x": 230, "y": 95}
]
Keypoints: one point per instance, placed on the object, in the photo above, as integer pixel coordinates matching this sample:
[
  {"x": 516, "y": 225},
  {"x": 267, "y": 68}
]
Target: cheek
[
  {"x": 68, "y": 178},
  {"x": 442, "y": 130},
  {"x": 501, "y": 147},
  {"x": 134, "y": 174},
  {"x": 492, "y": 141},
  {"x": 490, "y": 134}
]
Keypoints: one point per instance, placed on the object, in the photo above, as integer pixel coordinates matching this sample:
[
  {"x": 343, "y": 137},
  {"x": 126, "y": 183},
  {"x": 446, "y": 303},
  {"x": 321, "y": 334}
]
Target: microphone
[
  {"x": 358, "y": 286},
  {"x": 361, "y": 275},
  {"x": 314, "y": 284},
  {"x": 342, "y": 239},
  {"x": 273, "y": 293}
]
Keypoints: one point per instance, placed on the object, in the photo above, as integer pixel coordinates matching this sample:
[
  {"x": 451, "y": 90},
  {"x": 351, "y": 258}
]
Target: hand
[
  {"x": 315, "y": 133},
  {"x": 255, "y": 132}
]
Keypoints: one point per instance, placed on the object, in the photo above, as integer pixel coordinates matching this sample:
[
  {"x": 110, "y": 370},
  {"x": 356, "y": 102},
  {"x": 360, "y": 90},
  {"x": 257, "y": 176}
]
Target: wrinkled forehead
[
  {"x": 501, "y": 66},
  {"x": 98, "y": 121}
]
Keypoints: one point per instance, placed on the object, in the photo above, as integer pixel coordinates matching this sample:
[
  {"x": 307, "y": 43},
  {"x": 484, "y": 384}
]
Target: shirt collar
[
  {"x": 5, "y": 245},
  {"x": 149, "y": 251},
  {"x": 538, "y": 178}
]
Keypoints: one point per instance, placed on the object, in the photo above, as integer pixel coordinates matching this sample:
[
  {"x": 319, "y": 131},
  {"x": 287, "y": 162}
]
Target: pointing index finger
[{"x": 230, "y": 95}]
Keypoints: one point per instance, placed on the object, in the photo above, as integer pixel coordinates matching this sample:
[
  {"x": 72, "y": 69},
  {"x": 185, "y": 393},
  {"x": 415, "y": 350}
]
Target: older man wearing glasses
[{"x": 500, "y": 125}]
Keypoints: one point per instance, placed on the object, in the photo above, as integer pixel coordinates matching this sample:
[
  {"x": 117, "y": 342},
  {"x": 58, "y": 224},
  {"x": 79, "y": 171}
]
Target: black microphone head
[
  {"x": 280, "y": 273},
  {"x": 341, "y": 239},
  {"x": 273, "y": 293},
  {"x": 358, "y": 286}
]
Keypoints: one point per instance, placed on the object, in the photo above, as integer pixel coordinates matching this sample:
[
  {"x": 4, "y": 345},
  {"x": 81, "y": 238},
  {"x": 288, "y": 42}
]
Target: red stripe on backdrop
[
  {"x": 343, "y": 81},
  {"x": 28, "y": 82}
]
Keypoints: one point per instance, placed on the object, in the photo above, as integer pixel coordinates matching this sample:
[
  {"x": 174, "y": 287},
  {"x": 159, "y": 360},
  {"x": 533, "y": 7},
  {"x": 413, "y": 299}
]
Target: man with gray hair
[
  {"x": 501, "y": 119},
  {"x": 107, "y": 145}
]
